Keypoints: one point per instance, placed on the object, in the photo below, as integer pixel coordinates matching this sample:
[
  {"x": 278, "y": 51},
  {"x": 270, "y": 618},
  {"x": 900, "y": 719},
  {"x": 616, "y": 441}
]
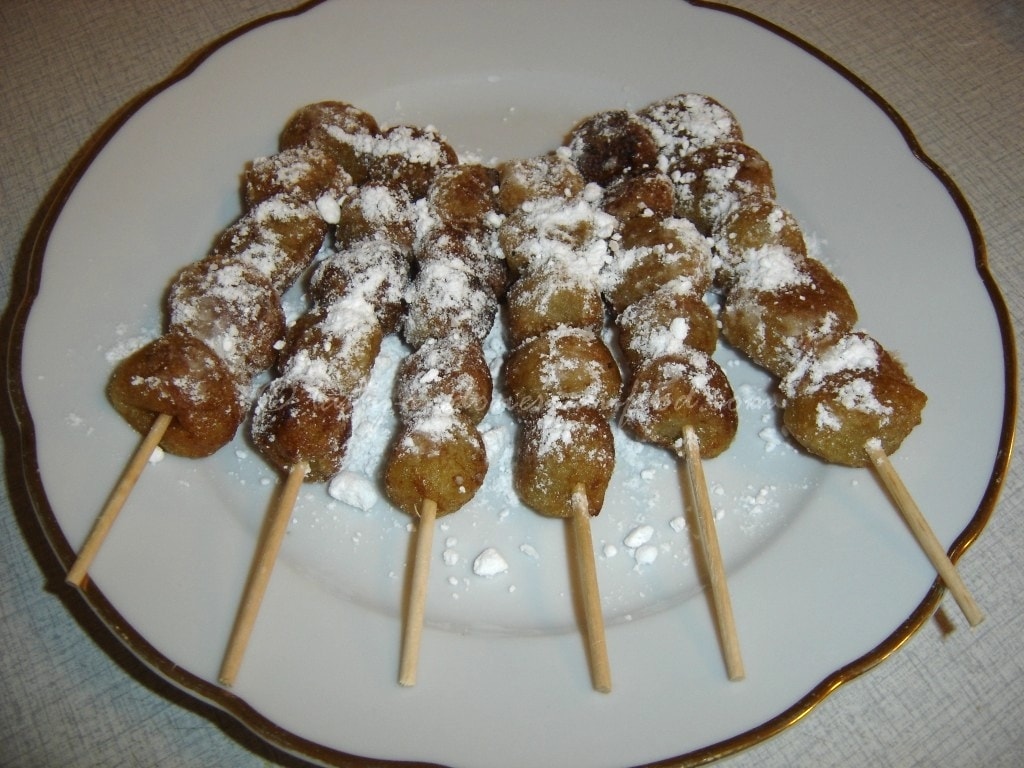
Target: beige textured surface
[{"x": 952, "y": 70}]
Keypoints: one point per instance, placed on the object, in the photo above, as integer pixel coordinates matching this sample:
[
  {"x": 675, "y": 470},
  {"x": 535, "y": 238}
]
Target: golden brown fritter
[
  {"x": 669, "y": 394},
  {"x": 305, "y": 171},
  {"x": 444, "y": 376},
  {"x": 838, "y": 399},
  {"x": 178, "y": 375},
  {"x": 279, "y": 237},
  {"x": 306, "y": 420},
  {"x": 535, "y": 178},
  {"x": 568, "y": 366},
  {"x": 231, "y": 307},
  {"x": 558, "y": 451},
  {"x": 439, "y": 457},
  {"x": 775, "y": 322},
  {"x": 667, "y": 321},
  {"x": 609, "y": 145},
  {"x": 466, "y": 193},
  {"x": 653, "y": 255},
  {"x": 550, "y": 296}
]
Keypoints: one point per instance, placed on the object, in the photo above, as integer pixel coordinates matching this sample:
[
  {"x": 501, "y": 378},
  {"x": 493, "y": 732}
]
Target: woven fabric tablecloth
[{"x": 71, "y": 696}]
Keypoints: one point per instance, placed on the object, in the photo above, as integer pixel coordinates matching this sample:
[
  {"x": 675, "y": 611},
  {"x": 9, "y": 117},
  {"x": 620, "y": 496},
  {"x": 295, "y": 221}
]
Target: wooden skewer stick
[
  {"x": 417, "y": 594},
  {"x": 926, "y": 537},
  {"x": 118, "y": 497},
  {"x": 713, "y": 557},
  {"x": 600, "y": 670},
  {"x": 259, "y": 573}
]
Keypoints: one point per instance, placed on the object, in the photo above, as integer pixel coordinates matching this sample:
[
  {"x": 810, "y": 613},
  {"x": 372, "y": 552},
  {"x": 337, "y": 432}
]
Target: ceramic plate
[{"x": 825, "y": 578}]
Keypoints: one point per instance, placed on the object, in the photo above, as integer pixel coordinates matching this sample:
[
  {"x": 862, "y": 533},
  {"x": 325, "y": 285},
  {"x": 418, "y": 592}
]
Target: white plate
[{"x": 825, "y": 578}]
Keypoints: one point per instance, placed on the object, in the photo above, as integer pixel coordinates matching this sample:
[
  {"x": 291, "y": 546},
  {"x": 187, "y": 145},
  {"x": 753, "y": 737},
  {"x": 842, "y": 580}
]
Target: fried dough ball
[
  {"x": 612, "y": 144},
  {"x": 233, "y": 309},
  {"x": 446, "y": 301},
  {"x": 723, "y": 174},
  {"x": 686, "y": 122},
  {"x": 408, "y": 158},
  {"x": 654, "y": 255},
  {"x": 339, "y": 343},
  {"x": 451, "y": 375},
  {"x": 464, "y": 194},
  {"x": 376, "y": 211},
  {"x": 279, "y": 237},
  {"x": 178, "y": 375},
  {"x": 552, "y": 230},
  {"x": 311, "y": 122},
  {"x": 650, "y": 195},
  {"x": 335, "y": 125},
  {"x": 855, "y": 391},
  {"x": 667, "y": 321},
  {"x": 375, "y": 271},
  {"x": 304, "y": 171},
  {"x": 302, "y": 420},
  {"x": 782, "y": 307},
  {"x": 838, "y": 399},
  {"x": 536, "y": 178},
  {"x": 558, "y": 451},
  {"x": 671, "y": 393},
  {"x": 549, "y": 297},
  {"x": 468, "y": 246},
  {"x": 440, "y": 457},
  {"x": 755, "y": 222},
  {"x": 565, "y": 365}
]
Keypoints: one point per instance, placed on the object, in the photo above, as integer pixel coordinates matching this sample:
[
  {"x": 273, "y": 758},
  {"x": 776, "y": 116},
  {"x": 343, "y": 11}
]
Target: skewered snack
[
  {"x": 178, "y": 375},
  {"x": 303, "y": 415},
  {"x": 846, "y": 399},
  {"x": 301, "y": 421},
  {"x": 678, "y": 397},
  {"x": 562, "y": 381},
  {"x": 842, "y": 397},
  {"x": 437, "y": 462},
  {"x": 640, "y": 212},
  {"x": 187, "y": 389},
  {"x": 609, "y": 145}
]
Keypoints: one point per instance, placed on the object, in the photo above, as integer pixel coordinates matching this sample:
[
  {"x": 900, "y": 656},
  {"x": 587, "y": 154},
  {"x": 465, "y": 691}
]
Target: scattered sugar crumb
[
  {"x": 529, "y": 551},
  {"x": 354, "y": 489},
  {"x": 772, "y": 438},
  {"x": 646, "y": 554},
  {"x": 638, "y": 536},
  {"x": 489, "y": 563}
]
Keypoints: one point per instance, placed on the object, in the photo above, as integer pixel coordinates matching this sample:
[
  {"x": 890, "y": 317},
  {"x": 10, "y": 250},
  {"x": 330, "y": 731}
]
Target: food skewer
[
  {"x": 437, "y": 461},
  {"x": 187, "y": 390},
  {"x": 415, "y": 613},
  {"x": 302, "y": 419},
  {"x": 563, "y": 382},
  {"x": 847, "y": 400},
  {"x": 717, "y": 579},
  {"x": 654, "y": 284},
  {"x": 259, "y": 574},
  {"x": 596, "y": 644},
  {"x": 105, "y": 521},
  {"x": 924, "y": 534}
]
